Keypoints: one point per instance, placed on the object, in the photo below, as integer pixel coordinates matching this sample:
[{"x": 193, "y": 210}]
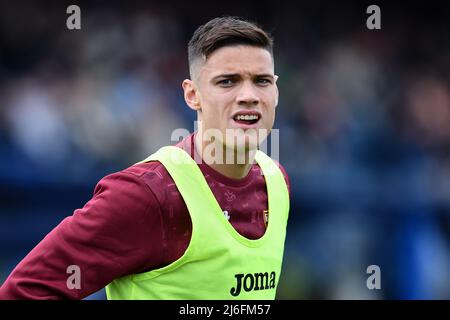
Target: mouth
[{"x": 247, "y": 119}]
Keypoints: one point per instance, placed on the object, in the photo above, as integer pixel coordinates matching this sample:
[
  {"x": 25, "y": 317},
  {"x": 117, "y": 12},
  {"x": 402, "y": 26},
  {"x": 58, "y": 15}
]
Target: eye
[
  {"x": 225, "y": 82},
  {"x": 263, "y": 81}
]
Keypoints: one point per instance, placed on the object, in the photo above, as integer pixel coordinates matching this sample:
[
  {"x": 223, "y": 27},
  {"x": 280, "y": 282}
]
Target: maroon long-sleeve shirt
[{"x": 136, "y": 221}]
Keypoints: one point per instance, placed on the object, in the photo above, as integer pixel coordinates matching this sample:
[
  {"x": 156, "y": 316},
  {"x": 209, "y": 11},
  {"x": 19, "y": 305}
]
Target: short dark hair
[{"x": 226, "y": 31}]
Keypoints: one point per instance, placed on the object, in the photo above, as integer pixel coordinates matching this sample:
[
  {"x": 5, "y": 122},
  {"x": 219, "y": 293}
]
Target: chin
[
  {"x": 243, "y": 143},
  {"x": 247, "y": 138}
]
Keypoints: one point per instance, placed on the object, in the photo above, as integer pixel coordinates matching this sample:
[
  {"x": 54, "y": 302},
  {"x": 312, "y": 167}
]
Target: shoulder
[
  {"x": 128, "y": 185},
  {"x": 123, "y": 204},
  {"x": 143, "y": 182},
  {"x": 142, "y": 175}
]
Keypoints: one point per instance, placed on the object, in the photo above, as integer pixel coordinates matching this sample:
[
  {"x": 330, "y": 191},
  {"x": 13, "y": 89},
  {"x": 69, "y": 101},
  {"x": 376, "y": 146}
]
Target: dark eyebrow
[
  {"x": 236, "y": 75},
  {"x": 226, "y": 75},
  {"x": 265, "y": 75}
]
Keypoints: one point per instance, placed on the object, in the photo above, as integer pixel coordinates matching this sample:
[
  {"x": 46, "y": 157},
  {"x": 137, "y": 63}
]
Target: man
[{"x": 170, "y": 227}]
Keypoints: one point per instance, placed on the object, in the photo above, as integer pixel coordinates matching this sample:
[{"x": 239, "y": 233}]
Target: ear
[
  {"x": 191, "y": 94},
  {"x": 276, "y": 88}
]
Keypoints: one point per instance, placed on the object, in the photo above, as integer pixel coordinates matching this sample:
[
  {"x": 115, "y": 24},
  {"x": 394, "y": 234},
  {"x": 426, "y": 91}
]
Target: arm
[{"x": 111, "y": 236}]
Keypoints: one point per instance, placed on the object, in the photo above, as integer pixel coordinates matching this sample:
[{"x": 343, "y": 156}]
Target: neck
[{"x": 236, "y": 169}]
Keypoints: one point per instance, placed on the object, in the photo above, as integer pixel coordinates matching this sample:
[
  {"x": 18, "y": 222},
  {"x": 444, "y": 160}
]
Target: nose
[{"x": 247, "y": 95}]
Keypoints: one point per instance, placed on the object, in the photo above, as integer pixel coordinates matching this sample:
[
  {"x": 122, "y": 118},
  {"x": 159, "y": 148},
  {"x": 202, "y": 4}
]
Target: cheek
[
  {"x": 270, "y": 95},
  {"x": 214, "y": 110},
  {"x": 271, "y": 101},
  {"x": 218, "y": 104}
]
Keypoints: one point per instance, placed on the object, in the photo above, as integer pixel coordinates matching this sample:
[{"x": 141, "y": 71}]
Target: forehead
[{"x": 240, "y": 59}]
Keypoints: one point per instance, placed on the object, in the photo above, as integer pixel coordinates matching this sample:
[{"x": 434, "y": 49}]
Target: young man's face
[{"x": 235, "y": 88}]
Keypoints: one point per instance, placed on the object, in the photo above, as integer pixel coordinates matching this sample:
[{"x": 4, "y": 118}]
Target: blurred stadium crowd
[{"x": 364, "y": 119}]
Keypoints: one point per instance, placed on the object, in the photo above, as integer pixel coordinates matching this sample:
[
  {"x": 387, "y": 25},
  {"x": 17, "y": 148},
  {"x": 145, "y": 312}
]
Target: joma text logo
[{"x": 253, "y": 281}]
